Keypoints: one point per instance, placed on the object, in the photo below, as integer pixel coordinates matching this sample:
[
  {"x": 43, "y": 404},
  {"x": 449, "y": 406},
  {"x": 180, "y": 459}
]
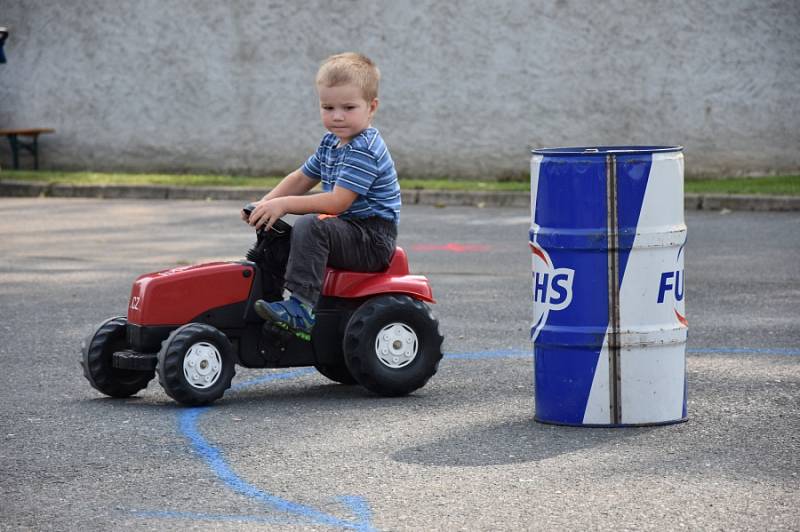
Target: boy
[{"x": 359, "y": 207}]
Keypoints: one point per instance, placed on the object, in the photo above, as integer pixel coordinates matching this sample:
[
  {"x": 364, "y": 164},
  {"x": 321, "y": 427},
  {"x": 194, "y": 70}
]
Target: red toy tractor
[{"x": 192, "y": 325}]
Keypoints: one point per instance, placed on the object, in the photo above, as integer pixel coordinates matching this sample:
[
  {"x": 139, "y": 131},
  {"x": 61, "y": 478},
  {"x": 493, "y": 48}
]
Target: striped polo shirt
[{"x": 363, "y": 166}]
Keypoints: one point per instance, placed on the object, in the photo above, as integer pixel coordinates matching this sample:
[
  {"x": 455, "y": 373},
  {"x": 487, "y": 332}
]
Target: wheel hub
[
  {"x": 396, "y": 345},
  {"x": 202, "y": 365}
]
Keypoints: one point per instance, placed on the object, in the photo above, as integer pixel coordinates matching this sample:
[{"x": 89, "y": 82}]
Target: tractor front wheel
[
  {"x": 97, "y": 354},
  {"x": 195, "y": 364}
]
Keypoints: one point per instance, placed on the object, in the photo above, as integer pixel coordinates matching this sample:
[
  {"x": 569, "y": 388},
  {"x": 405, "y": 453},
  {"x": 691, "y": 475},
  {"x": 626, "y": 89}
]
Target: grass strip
[{"x": 788, "y": 185}]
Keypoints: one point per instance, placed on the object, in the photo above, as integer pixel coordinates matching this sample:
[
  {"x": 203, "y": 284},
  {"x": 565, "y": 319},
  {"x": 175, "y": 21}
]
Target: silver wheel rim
[
  {"x": 202, "y": 365},
  {"x": 396, "y": 345}
]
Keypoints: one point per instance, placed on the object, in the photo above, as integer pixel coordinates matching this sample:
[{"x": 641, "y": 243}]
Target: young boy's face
[{"x": 344, "y": 111}]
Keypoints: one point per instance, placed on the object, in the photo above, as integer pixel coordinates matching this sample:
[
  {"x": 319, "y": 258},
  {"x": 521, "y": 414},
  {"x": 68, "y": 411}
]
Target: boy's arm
[
  {"x": 271, "y": 209},
  {"x": 295, "y": 184}
]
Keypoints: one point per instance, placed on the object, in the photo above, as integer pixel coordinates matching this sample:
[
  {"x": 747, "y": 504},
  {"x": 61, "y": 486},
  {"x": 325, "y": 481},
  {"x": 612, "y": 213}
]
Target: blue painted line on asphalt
[
  {"x": 358, "y": 506},
  {"x": 521, "y": 353},
  {"x": 271, "y": 377},
  {"x": 482, "y": 355},
  {"x": 214, "y": 459},
  {"x": 188, "y": 424}
]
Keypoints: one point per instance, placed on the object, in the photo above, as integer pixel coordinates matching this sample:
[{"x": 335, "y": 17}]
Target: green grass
[
  {"x": 774, "y": 185},
  {"x": 188, "y": 180},
  {"x": 787, "y": 185},
  {"x": 103, "y": 178}
]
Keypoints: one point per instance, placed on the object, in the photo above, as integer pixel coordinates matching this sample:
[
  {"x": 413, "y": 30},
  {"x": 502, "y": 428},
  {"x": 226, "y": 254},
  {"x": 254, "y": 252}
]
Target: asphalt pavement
[{"x": 290, "y": 450}]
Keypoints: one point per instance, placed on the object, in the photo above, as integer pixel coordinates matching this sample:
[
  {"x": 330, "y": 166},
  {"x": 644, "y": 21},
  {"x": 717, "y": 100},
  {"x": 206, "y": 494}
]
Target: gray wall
[{"x": 468, "y": 87}]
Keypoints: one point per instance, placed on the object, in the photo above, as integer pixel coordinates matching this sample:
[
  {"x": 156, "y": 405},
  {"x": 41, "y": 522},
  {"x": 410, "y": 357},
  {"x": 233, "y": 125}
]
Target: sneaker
[{"x": 291, "y": 314}]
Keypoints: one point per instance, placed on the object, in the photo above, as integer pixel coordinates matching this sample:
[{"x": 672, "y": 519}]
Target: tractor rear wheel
[
  {"x": 392, "y": 345},
  {"x": 338, "y": 374}
]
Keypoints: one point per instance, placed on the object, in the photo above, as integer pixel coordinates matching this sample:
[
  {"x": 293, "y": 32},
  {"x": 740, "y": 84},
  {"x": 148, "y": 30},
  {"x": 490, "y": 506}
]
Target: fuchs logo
[
  {"x": 673, "y": 282},
  {"x": 552, "y": 288}
]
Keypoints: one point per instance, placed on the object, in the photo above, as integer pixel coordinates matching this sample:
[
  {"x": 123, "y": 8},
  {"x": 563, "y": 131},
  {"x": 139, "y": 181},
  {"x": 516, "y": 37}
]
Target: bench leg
[
  {"x": 12, "y": 139},
  {"x": 35, "y": 150}
]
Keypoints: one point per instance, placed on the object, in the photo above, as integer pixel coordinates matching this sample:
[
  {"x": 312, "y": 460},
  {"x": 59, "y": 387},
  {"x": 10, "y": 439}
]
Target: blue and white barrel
[{"x": 609, "y": 326}]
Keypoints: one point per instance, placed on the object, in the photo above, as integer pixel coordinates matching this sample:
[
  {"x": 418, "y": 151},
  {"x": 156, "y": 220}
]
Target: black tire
[
  {"x": 206, "y": 346},
  {"x": 409, "y": 326},
  {"x": 96, "y": 358},
  {"x": 338, "y": 374}
]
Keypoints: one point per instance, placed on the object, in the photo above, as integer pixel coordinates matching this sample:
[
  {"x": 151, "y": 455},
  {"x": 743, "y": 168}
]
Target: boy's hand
[{"x": 266, "y": 213}]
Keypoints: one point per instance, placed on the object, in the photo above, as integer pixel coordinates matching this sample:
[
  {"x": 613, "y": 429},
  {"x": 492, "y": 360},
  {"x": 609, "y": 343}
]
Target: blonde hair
[{"x": 350, "y": 67}]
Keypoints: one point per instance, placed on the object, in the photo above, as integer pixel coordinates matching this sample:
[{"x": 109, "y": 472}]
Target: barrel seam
[{"x": 614, "y": 377}]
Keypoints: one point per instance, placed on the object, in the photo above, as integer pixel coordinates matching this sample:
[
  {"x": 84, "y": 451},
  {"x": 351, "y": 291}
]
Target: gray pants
[{"x": 365, "y": 245}]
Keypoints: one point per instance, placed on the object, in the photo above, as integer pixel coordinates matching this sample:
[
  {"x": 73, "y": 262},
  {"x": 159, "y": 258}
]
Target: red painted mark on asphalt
[{"x": 452, "y": 247}]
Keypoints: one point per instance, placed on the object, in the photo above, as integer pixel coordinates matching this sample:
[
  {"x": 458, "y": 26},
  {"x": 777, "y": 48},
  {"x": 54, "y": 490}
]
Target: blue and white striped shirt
[{"x": 363, "y": 166}]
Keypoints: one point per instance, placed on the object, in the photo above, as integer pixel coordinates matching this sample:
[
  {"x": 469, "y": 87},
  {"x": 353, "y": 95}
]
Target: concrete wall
[{"x": 468, "y": 87}]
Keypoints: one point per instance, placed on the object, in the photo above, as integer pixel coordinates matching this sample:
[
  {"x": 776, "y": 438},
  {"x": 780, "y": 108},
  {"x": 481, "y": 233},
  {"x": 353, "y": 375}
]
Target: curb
[
  {"x": 437, "y": 198},
  {"x": 741, "y": 202}
]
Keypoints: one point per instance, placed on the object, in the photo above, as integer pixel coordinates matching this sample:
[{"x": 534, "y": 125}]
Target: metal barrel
[{"x": 609, "y": 327}]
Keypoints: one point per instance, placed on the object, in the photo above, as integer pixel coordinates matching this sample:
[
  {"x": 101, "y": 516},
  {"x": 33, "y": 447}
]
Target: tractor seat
[{"x": 395, "y": 279}]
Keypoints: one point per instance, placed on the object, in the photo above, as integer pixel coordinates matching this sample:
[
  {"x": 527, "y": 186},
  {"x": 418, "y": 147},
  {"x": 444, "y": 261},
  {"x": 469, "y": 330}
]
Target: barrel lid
[{"x": 604, "y": 150}]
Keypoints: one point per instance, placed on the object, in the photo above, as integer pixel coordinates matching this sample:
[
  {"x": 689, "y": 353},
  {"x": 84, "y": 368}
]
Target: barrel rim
[
  {"x": 609, "y": 425},
  {"x": 605, "y": 150}
]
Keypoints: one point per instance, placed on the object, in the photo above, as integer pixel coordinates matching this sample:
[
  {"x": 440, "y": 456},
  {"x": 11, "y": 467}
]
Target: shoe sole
[
  {"x": 266, "y": 314},
  {"x": 298, "y": 333}
]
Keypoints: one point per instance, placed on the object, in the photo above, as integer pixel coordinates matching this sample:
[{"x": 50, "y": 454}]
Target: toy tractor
[{"x": 192, "y": 325}]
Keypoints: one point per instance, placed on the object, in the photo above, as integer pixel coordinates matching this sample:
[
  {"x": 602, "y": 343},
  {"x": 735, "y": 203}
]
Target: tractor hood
[{"x": 178, "y": 295}]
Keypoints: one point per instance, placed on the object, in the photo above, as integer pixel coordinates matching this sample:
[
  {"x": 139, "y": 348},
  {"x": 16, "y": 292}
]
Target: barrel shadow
[{"x": 511, "y": 443}]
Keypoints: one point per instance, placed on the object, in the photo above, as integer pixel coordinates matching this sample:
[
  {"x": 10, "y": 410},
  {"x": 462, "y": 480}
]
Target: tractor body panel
[{"x": 179, "y": 295}]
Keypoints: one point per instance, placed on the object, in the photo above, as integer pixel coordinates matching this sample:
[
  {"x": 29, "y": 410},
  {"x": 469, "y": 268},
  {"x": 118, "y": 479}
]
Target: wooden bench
[{"x": 32, "y": 146}]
